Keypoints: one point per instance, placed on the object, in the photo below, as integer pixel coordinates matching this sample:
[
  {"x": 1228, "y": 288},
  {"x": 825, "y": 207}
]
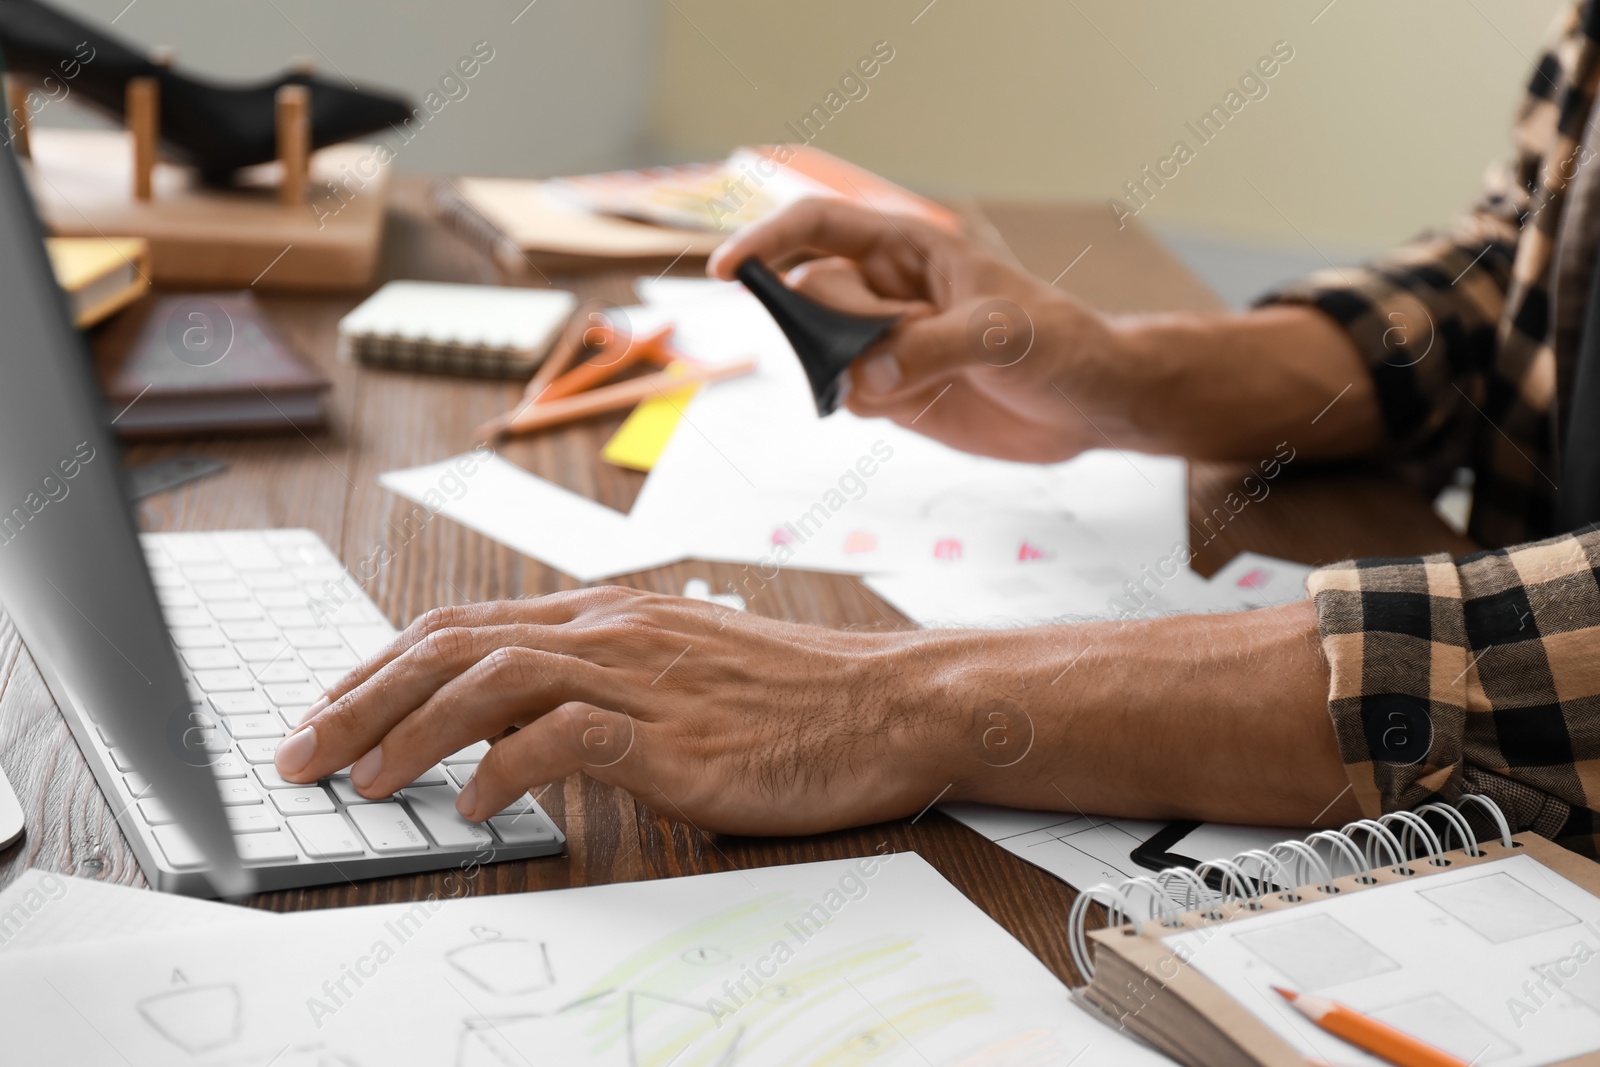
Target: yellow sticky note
[{"x": 638, "y": 442}]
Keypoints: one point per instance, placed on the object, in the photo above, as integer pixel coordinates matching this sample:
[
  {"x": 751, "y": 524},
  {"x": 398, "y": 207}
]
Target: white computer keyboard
[{"x": 263, "y": 622}]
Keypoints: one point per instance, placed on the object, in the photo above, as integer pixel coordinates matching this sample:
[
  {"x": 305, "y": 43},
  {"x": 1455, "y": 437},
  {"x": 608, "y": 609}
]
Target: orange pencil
[
  {"x": 1368, "y": 1035},
  {"x": 626, "y": 394},
  {"x": 608, "y": 363}
]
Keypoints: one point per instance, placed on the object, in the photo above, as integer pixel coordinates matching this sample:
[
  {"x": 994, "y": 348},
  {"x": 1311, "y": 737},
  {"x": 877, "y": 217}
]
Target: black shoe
[{"x": 215, "y": 128}]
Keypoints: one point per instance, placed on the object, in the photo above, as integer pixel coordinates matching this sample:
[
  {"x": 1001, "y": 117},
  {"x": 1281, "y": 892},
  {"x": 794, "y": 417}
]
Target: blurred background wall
[{"x": 1378, "y": 126}]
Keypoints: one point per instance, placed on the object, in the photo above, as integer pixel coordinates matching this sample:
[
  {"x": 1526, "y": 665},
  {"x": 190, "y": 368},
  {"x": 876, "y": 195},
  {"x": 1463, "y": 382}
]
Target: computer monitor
[{"x": 72, "y": 574}]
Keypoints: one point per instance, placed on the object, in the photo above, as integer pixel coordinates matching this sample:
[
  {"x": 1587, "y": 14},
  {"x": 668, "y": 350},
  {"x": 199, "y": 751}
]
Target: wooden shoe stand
[{"x": 309, "y": 220}]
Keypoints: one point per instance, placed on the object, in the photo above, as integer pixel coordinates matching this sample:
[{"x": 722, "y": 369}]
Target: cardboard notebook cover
[
  {"x": 1145, "y": 952},
  {"x": 203, "y": 363}
]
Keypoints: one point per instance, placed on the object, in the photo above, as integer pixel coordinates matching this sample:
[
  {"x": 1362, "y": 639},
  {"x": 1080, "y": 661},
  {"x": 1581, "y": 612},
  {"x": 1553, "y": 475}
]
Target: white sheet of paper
[
  {"x": 1496, "y": 963},
  {"x": 1081, "y": 850},
  {"x": 1257, "y": 581},
  {"x": 42, "y": 908},
  {"x": 569, "y": 532},
  {"x": 1085, "y": 850},
  {"x": 1037, "y": 593},
  {"x": 823, "y": 962}
]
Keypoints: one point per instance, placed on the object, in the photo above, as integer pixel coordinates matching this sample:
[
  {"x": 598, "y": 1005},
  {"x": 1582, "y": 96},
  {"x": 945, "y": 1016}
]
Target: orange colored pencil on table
[
  {"x": 614, "y": 397},
  {"x": 1368, "y": 1035}
]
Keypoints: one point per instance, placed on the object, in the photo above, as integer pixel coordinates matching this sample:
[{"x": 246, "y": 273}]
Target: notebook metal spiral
[{"x": 1288, "y": 868}]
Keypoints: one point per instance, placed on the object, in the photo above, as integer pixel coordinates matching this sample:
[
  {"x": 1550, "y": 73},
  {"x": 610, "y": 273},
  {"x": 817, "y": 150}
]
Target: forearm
[
  {"x": 1220, "y": 718},
  {"x": 1233, "y": 386}
]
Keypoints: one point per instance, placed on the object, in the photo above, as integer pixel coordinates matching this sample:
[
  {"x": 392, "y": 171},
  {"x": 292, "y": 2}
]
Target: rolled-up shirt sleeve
[{"x": 1477, "y": 675}]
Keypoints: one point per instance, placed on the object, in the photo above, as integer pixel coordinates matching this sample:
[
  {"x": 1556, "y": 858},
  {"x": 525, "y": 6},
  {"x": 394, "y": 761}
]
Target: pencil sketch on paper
[
  {"x": 195, "y": 1018},
  {"x": 504, "y": 966}
]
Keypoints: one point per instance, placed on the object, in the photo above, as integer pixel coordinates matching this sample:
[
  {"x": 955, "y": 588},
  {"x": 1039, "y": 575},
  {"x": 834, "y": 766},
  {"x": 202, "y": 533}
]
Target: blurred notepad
[{"x": 484, "y": 330}]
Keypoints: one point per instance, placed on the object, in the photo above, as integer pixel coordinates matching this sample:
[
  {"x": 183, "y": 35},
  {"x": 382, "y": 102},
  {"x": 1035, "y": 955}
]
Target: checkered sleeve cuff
[
  {"x": 1422, "y": 318},
  {"x": 1480, "y": 675}
]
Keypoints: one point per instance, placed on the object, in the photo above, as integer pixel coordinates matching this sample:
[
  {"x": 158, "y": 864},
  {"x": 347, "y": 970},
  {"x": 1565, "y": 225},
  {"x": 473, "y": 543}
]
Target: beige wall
[{"x": 1380, "y": 125}]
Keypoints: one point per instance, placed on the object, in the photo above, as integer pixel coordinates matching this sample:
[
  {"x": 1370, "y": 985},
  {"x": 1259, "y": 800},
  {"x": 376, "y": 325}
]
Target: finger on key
[
  {"x": 559, "y": 744},
  {"x": 549, "y": 610},
  {"x": 399, "y": 687},
  {"x": 409, "y": 679},
  {"x": 508, "y": 684}
]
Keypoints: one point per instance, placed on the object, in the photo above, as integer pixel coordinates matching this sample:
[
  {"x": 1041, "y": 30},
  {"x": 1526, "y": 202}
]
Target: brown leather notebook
[{"x": 198, "y": 364}]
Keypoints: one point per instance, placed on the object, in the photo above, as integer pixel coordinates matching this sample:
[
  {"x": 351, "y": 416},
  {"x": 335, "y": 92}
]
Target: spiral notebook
[{"x": 1490, "y": 951}]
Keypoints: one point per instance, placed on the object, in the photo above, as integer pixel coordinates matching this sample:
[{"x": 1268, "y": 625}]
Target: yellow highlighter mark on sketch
[{"x": 765, "y": 976}]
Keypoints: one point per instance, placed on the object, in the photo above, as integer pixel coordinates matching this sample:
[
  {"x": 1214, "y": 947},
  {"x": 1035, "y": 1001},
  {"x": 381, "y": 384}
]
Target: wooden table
[{"x": 386, "y": 420}]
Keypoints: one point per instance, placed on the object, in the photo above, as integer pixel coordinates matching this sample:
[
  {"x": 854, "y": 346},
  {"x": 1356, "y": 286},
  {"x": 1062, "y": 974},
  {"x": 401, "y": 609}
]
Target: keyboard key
[
  {"x": 185, "y": 617},
  {"x": 177, "y": 847},
  {"x": 229, "y": 766},
  {"x": 262, "y": 651},
  {"x": 246, "y": 703},
  {"x": 167, "y": 578},
  {"x": 293, "y": 693},
  {"x": 246, "y": 550},
  {"x": 271, "y": 779},
  {"x": 245, "y": 727},
  {"x": 325, "y": 836},
  {"x": 207, "y": 572},
  {"x": 318, "y": 638},
  {"x": 223, "y": 681},
  {"x": 435, "y": 807},
  {"x": 460, "y": 773},
  {"x": 209, "y": 659},
  {"x": 522, "y": 804},
  {"x": 250, "y": 630},
  {"x": 523, "y": 829},
  {"x": 368, "y": 640},
  {"x": 473, "y": 753},
  {"x": 120, "y": 760},
  {"x": 329, "y": 679},
  {"x": 154, "y": 812},
  {"x": 267, "y": 579},
  {"x": 259, "y": 750},
  {"x": 314, "y": 574},
  {"x": 230, "y": 590},
  {"x": 188, "y": 547},
  {"x": 329, "y": 659},
  {"x": 256, "y": 820},
  {"x": 271, "y": 847},
  {"x": 432, "y": 776},
  {"x": 284, "y": 670},
  {"x": 291, "y": 617},
  {"x": 176, "y": 597},
  {"x": 238, "y": 792},
  {"x": 306, "y": 800},
  {"x": 137, "y": 784},
  {"x": 234, "y": 610},
  {"x": 281, "y": 598},
  {"x": 388, "y": 828},
  {"x": 346, "y": 792},
  {"x": 197, "y": 637},
  {"x": 105, "y": 737},
  {"x": 293, "y": 714}
]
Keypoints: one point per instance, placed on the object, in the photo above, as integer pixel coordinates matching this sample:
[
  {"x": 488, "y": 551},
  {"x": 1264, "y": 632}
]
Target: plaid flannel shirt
[{"x": 1482, "y": 674}]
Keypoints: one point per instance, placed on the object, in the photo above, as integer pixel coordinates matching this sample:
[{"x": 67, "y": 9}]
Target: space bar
[{"x": 435, "y": 808}]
